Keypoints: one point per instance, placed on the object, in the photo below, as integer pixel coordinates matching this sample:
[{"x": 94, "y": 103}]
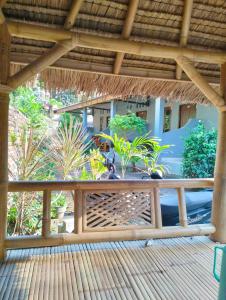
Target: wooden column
[
  {"x": 219, "y": 197},
  {"x": 4, "y": 111}
]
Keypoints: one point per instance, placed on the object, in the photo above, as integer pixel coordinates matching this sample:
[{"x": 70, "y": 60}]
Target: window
[{"x": 167, "y": 119}]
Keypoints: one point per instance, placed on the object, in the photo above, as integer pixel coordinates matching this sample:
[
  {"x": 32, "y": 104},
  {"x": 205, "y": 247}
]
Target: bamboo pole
[
  {"x": 75, "y": 7},
  {"x": 184, "y": 30},
  {"x": 117, "y": 185},
  {"x": 182, "y": 208},
  {"x": 41, "y": 63},
  {"x": 219, "y": 197},
  {"x": 85, "y": 40},
  {"x": 127, "y": 28},
  {"x": 157, "y": 205},
  {"x": 46, "y": 220},
  {"x": 84, "y": 104},
  {"x": 78, "y": 203},
  {"x": 92, "y": 237},
  {"x": 4, "y": 112},
  {"x": 199, "y": 81},
  {"x": 2, "y": 17}
]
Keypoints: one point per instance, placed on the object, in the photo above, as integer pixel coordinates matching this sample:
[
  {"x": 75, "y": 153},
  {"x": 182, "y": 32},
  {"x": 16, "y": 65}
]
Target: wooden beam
[
  {"x": 127, "y": 28},
  {"x": 37, "y": 32},
  {"x": 41, "y": 63},
  {"x": 219, "y": 196},
  {"x": 199, "y": 81},
  {"x": 84, "y": 104},
  {"x": 184, "y": 30},
  {"x": 75, "y": 7},
  {"x": 76, "y": 65},
  {"x": 4, "y": 112}
]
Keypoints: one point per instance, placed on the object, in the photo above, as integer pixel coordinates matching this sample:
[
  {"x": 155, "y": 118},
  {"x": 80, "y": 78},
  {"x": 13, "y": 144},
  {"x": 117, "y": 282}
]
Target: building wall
[
  {"x": 122, "y": 108},
  {"x": 208, "y": 114}
]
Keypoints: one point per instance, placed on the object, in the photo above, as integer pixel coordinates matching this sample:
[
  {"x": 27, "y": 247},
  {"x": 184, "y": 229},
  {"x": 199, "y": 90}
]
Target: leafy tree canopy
[
  {"x": 122, "y": 124},
  {"x": 26, "y": 102}
]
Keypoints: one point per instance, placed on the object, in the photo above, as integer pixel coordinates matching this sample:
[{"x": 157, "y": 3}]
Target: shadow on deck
[{"x": 179, "y": 268}]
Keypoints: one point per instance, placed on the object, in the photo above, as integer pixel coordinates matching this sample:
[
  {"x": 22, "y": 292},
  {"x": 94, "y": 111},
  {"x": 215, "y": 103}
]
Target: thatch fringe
[
  {"x": 121, "y": 86},
  {"x": 118, "y": 86}
]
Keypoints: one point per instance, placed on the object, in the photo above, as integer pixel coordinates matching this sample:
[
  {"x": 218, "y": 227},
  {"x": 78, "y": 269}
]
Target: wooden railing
[{"x": 111, "y": 210}]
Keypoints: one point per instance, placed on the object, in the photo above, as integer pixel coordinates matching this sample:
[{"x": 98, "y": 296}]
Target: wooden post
[
  {"x": 219, "y": 197},
  {"x": 46, "y": 217},
  {"x": 4, "y": 112}
]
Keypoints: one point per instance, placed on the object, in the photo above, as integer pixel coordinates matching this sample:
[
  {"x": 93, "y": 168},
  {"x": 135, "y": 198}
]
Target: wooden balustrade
[{"x": 111, "y": 210}]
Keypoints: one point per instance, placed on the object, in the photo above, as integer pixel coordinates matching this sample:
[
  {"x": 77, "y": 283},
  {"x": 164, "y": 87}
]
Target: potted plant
[{"x": 59, "y": 207}]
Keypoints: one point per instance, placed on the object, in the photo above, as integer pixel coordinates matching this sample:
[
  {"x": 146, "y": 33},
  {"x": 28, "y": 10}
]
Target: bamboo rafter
[
  {"x": 199, "y": 81},
  {"x": 61, "y": 48},
  {"x": 75, "y": 7},
  {"x": 41, "y": 63},
  {"x": 184, "y": 31},
  {"x": 127, "y": 28}
]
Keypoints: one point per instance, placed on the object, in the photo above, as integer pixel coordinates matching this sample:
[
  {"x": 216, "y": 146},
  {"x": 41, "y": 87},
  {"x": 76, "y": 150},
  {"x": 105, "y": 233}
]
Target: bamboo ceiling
[{"x": 158, "y": 22}]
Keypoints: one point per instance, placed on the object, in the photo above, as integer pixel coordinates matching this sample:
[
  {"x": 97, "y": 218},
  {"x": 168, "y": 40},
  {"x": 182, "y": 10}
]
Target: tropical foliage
[
  {"x": 199, "y": 153},
  {"x": 123, "y": 124},
  {"x": 68, "y": 147},
  {"x": 28, "y": 161},
  {"x": 151, "y": 160},
  {"x": 26, "y": 102},
  {"x": 95, "y": 166}
]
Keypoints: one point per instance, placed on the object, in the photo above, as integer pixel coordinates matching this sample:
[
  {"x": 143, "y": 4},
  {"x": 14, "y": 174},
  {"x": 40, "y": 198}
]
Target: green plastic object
[{"x": 221, "y": 278}]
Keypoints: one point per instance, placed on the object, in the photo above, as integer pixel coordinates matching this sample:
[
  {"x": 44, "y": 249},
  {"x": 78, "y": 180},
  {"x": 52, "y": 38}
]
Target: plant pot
[{"x": 60, "y": 212}]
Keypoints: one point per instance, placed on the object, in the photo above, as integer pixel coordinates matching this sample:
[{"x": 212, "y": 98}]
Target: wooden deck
[{"x": 178, "y": 268}]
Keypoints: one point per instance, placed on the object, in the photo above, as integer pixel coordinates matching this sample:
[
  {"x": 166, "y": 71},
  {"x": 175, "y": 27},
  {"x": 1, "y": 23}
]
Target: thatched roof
[{"x": 157, "y": 22}]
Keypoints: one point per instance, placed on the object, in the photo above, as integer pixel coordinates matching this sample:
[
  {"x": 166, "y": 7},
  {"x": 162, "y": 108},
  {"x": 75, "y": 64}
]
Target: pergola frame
[{"x": 65, "y": 41}]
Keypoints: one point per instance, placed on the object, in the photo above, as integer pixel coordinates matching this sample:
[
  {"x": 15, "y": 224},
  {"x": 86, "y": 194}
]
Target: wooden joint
[
  {"x": 70, "y": 43},
  {"x": 222, "y": 108}
]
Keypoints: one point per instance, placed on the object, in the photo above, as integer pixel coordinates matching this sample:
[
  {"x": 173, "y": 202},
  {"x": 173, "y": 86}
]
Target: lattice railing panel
[{"x": 118, "y": 209}]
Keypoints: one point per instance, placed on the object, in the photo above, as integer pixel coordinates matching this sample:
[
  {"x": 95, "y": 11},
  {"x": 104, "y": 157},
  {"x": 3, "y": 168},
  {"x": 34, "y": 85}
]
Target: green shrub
[
  {"x": 199, "y": 153},
  {"x": 123, "y": 124}
]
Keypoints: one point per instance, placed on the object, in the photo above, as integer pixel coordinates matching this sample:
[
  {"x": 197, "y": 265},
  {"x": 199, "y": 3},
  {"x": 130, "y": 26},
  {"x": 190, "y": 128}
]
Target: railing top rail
[{"x": 18, "y": 186}]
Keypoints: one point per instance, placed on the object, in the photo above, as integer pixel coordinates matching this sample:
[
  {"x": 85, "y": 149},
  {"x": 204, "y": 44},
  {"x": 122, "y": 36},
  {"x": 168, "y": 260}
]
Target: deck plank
[{"x": 179, "y": 268}]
